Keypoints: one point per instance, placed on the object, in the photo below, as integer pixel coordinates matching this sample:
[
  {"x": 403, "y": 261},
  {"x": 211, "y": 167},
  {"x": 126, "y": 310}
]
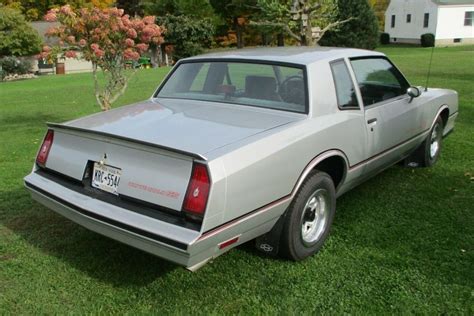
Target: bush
[
  {"x": 188, "y": 35},
  {"x": 13, "y": 65},
  {"x": 361, "y": 32},
  {"x": 384, "y": 38},
  {"x": 427, "y": 40},
  {"x": 17, "y": 37}
]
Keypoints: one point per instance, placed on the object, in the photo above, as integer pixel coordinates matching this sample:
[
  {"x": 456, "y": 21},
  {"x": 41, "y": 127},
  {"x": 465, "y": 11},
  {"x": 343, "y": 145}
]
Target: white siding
[
  {"x": 451, "y": 23},
  {"x": 410, "y": 32}
]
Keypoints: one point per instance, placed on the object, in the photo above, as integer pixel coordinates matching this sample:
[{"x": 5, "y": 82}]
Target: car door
[{"x": 392, "y": 117}]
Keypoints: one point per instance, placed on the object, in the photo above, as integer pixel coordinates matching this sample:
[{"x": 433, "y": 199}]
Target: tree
[
  {"x": 189, "y": 24},
  {"x": 360, "y": 32},
  {"x": 35, "y": 9},
  {"x": 17, "y": 37},
  {"x": 189, "y": 36},
  {"x": 107, "y": 38},
  {"x": 192, "y": 8},
  {"x": 379, "y": 7},
  {"x": 234, "y": 13},
  {"x": 306, "y": 21}
]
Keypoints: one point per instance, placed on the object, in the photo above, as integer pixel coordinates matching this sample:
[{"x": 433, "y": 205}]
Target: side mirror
[{"x": 413, "y": 92}]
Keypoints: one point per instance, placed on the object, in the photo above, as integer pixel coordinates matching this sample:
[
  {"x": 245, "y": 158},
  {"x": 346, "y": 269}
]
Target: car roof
[{"x": 302, "y": 55}]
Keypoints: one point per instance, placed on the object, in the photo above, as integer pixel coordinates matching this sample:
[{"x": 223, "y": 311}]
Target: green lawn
[{"x": 402, "y": 242}]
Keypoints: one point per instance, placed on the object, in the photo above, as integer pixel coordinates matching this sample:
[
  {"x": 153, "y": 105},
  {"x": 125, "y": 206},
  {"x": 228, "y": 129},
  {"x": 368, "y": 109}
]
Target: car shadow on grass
[{"x": 98, "y": 256}]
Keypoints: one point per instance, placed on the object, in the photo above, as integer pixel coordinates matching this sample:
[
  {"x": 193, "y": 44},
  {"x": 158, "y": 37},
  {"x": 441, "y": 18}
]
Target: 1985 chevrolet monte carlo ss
[{"x": 240, "y": 145}]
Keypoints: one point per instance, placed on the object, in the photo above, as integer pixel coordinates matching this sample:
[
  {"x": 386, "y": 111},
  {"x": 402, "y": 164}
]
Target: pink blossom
[
  {"x": 51, "y": 16},
  {"x": 99, "y": 53},
  {"x": 132, "y": 33},
  {"x": 129, "y": 54},
  {"x": 66, "y": 10},
  {"x": 70, "y": 54},
  {"x": 126, "y": 20},
  {"x": 129, "y": 42},
  {"x": 52, "y": 31},
  {"x": 94, "y": 46},
  {"x": 145, "y": 38},
  {"x": 142, "y": 47},
  {"x": 149, "y": 19},
  {"x": 82, "y": 42}
]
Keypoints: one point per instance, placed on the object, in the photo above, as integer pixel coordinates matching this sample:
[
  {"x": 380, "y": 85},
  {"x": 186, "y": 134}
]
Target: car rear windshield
[{"x": 270, "y": 86}]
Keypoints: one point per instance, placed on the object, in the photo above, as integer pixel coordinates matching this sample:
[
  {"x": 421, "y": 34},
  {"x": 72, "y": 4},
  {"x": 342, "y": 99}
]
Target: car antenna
[{"x": 429, "y": 67}]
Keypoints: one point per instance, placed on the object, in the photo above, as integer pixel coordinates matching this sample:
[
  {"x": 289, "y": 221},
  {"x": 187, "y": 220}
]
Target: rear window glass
[{"x": 260, "y": 85}]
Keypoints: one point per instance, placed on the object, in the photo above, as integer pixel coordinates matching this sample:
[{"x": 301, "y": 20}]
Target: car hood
[{"x": 187, "y": 125}]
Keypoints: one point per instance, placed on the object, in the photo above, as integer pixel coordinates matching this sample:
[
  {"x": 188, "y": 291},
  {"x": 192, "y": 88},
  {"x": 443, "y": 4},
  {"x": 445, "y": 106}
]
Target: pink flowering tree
[{"x": 106, "y": 37}]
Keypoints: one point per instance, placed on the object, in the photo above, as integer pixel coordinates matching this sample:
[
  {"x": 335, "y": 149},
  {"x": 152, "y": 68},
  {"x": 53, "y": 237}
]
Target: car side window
[
  {"x": 345, "y": 91},
  {"x": 378, "y": 80}
]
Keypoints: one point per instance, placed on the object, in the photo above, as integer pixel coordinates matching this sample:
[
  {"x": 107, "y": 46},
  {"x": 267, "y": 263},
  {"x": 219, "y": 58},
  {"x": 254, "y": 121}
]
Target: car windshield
[{"x": 261, "y": 85}]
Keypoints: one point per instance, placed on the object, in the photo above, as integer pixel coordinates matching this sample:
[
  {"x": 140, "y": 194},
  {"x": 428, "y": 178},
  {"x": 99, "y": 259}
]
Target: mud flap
[
  {"x": 414, "y": 159},
  {"x": 269, "y": 243}
]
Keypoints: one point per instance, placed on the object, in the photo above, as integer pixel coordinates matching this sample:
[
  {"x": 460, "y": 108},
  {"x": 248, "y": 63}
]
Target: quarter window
[
  {"x": 393, "y": 21},
  {"x": 345, "y": 92},
  {"x": 408, "y": 18},
  {"x": 378, "y": 80},
  {"x": 468, "y": 17}
]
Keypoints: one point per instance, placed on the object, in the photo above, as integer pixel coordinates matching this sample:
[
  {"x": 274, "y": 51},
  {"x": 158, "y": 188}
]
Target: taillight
[
  {"x": 198, "y": 190},
  {"x": 45, "y": 148}
]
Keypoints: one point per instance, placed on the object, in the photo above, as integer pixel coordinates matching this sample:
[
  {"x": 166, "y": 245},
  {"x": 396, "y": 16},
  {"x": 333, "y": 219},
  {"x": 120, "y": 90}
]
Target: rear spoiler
[{"x": 60, "y": 126}]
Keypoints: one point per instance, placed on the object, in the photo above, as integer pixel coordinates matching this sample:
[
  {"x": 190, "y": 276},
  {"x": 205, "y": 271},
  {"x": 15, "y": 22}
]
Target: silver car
[{"x": 240, "y": 145}]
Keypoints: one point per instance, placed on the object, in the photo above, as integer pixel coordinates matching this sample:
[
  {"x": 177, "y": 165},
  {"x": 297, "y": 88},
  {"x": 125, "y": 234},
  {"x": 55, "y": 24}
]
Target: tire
[
  {"x": 304, "y": 232},
  {"x": 431, "y": 147}
]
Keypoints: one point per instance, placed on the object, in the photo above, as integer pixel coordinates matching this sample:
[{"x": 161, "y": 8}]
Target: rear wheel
[{"x": 309, "y": 217}]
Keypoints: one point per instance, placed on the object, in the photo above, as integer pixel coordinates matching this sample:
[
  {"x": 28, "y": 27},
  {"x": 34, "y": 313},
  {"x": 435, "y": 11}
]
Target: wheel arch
[
  {"x": 334, "y": 162},
  {"x": 444, "y": 114}
]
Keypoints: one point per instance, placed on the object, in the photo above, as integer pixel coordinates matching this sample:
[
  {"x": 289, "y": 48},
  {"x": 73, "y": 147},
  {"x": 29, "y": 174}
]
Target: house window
[
  {"x": 408, "y": 18},
  {"x": 426, "y": 20},
  {"x": 468, "y": 17},
  {"x": 457, "y": 40},
  {"x": 393, "y": 21}
]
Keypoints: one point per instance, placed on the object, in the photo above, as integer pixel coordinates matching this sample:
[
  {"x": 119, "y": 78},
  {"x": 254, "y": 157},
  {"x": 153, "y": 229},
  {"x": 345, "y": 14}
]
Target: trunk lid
[{"x": 185, "y": 125}]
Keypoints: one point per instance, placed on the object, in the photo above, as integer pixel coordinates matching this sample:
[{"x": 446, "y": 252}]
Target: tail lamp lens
[
  {"x": 45, "y": 148},
  {"x": 198, "y": 190}
]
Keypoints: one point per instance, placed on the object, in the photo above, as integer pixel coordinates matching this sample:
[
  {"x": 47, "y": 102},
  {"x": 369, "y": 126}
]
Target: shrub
[
  {"x": 384, "y": 38},
  {"x": 427, "y": 40},
  {"x": 17, "y": 37},
  {"x": 13, "y": 65},
  {"x": 188, "y": 35},
  {"x": 361, "y": 32}
]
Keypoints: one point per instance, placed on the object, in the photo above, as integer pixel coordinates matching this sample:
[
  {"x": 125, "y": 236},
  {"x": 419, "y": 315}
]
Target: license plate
[{"x": 106, "y": 178}]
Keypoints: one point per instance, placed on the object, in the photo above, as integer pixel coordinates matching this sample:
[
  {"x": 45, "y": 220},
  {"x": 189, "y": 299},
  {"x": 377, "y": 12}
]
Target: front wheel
[
  {"x": 428, "y": 152},
  {"x": 309, "y": 217}
]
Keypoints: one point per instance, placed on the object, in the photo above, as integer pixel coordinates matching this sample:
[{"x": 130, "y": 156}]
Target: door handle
[{"x": 371, "y": 121}]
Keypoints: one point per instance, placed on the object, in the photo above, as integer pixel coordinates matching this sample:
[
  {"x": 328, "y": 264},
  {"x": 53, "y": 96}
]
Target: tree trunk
[
  {"x": 238, "y": 32},
  {"x": 280, "y": 39}
]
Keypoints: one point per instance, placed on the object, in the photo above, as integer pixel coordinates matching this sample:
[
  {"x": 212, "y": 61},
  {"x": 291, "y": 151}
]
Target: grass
[{"x": 402, "y": 242}]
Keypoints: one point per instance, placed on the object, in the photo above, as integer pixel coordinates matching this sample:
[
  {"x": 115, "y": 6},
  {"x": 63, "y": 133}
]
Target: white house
[{"x": 451, "y": 21}]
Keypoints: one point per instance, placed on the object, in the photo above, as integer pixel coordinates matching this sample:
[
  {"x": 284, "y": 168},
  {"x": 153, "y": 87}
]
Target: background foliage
[
  {"x": 360, "y": 32},
  {"x": 17, "y": 37},
  {"x": 189, "y": 36}
]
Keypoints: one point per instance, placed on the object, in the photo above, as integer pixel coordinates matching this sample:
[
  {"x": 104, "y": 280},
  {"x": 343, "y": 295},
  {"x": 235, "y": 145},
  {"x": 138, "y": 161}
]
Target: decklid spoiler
[{"x": 189, "y": 127}]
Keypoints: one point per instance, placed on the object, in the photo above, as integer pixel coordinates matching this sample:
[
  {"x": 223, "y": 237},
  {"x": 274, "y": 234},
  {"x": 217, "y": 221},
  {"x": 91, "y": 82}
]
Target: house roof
[
  {"x": 453, "y": 2},
  {"x": 42, "y": 27}
]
